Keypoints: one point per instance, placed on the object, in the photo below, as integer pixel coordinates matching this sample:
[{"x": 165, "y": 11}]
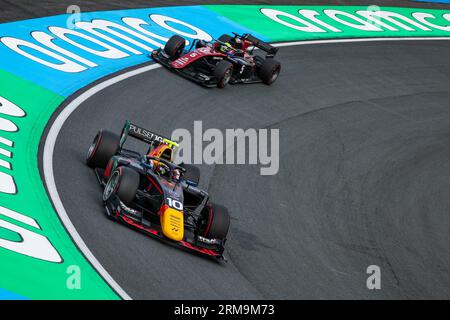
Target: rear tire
[
  {"x": 123, "y": 182},
  {"x": 218, "y": 222},
  {"x": 192, "y": 173},
  {"x": 269, "y": 71},
  {"x": 105, "y": 145},
  {"x": 175, "y": 46},
  {"x": 223, "y": 73}
]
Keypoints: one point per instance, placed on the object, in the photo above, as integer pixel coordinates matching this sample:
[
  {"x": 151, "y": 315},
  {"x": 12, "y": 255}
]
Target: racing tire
[
  {"x": 259, "y": 61},
  {"x": 192, "y": 174},
  {"x": 123, "y": 182},
  {"x": 105, "y": 145},
  {"x": 218, "y": 222},
  {"x": 174, "y": 47},
  {"x": 223, "y": 73},
  {"x": 269, "y": 71}
]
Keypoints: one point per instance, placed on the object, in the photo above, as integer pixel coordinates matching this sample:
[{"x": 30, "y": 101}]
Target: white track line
[
  {"x": 72, "y": 106},
  {"x": 325, "y": 41}
]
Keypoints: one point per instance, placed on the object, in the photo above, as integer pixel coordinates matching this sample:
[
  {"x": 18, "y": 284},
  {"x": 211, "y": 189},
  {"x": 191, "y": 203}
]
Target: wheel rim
[
  {"x": 275, "y": 75},
  {"x": 92, "y": 148},
  {"x": 226, "y": 77},
  {"x": 111, "y": 186},
  {"x": 178, "y": 51}
]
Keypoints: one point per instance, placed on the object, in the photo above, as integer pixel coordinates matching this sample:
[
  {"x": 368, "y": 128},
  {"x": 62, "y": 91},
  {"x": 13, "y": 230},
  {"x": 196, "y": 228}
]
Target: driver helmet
[
  {"x": 225, "y": 47},
  {"x": 161, "y": 170}
]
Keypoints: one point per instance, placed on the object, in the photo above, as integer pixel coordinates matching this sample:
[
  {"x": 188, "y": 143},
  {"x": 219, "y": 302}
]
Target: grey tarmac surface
[{"x": 364, "y": 177}]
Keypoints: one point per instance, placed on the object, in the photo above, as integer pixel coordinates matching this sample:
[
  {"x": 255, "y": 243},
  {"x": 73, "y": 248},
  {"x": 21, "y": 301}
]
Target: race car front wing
[{"x": 189, "y": 73}]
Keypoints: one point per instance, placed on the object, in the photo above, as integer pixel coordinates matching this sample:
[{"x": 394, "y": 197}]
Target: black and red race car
[
  {"x": 225, "y": 60},
  {"x": 154, "y": 195}
]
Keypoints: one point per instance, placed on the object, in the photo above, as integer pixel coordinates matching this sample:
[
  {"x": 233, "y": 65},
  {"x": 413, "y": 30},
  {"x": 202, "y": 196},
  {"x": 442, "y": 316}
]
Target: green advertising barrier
[
  {"x": 290, "y": 23},
  {"x": 55, "y": 269}
]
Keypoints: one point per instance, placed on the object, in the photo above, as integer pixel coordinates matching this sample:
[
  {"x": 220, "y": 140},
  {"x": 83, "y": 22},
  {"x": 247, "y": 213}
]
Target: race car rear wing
[
  {"x": 258, "y": 43},
  {"x": 147, "y": 136}
]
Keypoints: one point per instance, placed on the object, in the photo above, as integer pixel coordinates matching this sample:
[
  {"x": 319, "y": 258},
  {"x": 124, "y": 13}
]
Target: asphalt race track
[{"x": 364, "y": 177}]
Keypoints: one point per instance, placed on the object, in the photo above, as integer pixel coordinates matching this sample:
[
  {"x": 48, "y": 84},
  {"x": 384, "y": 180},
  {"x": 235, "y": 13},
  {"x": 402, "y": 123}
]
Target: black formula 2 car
[
  {"x": 225, "y": 60},
  {"x": 154, "y": 195}
]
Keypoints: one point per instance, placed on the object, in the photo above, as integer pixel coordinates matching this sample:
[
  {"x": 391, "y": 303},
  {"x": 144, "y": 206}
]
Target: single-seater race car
[
  {"x": 154, "y": 195},
  {"x": 225, "y": 60}
]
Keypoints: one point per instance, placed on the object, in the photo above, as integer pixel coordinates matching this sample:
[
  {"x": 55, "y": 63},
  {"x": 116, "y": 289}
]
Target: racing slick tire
[
  {"x": 223, "y": 73},
  {"x": 104, "y": 146},
  {"x": 269, "y": 71},
  {"x": 218, "y": 222},
  {"x": 192, "y": 174},
  {"x": 123, "y": 182},
  {"x": 175, "y": 46}
]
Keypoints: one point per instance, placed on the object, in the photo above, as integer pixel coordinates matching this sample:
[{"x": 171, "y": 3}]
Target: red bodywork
[
  {"x": 208, "y": 51},
  {"x": 192, "y": 56},
  {"x": 157, "y": 234}
]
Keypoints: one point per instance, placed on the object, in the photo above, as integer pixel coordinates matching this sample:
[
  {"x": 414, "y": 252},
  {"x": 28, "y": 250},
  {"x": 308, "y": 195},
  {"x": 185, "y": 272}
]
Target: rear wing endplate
[
  {"x": 264, "y": 46},
  {"x": 147, "y": 136}
]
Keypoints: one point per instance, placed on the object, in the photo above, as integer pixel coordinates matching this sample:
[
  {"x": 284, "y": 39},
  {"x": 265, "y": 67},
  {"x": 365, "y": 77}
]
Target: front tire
[
  {"x": 217, "y": 222},
  {"x": 269, "y": 71},
  {"x": 105, "y": 145},
  {"x": 175, "y": 46},
  {"x": 223, "y": 73},
  {"x": 123, "y": 182}
]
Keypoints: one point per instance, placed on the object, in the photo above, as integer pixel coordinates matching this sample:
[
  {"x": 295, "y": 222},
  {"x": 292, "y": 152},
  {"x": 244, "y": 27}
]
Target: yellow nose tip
[{"x": 172, "y": 223}]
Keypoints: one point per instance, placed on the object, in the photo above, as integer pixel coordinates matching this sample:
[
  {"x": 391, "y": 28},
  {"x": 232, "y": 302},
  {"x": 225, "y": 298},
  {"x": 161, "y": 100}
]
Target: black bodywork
[
  {"x": 201, "y": 71},
  {"x": 144, "y": 212}
]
